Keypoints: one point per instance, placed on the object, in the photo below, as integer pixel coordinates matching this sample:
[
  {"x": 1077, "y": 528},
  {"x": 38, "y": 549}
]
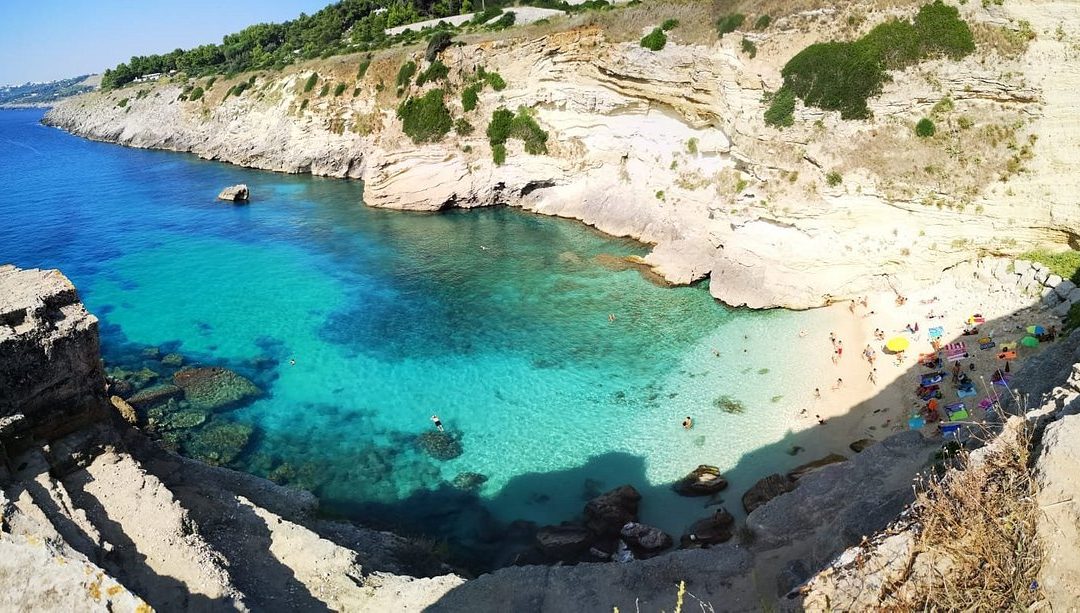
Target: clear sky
[{"x": 44, "y": 40}]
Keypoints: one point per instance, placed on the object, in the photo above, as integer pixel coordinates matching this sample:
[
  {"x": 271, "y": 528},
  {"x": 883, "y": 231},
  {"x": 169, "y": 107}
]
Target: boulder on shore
[
  {"x": 645, "y": 541},
  {"x": 804, "y": 469},
  {"x": 711, "y": 530},
  {"x": 765, "y": 490},
  {"x": 234, "y": 193},
  {"x": 704, "y": 480},
  {"x": 126, "y": 410},
  {"x": 563, "y": 543},
  {"x": 609, "y": 512}
]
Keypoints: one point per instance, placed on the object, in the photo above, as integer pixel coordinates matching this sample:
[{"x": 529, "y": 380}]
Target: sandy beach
[{"x": 865, "y": 408}]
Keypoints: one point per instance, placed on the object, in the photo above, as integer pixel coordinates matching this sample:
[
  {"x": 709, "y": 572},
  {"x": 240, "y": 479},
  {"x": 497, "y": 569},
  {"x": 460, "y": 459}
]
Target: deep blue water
[{"x": 495, "y": 319}]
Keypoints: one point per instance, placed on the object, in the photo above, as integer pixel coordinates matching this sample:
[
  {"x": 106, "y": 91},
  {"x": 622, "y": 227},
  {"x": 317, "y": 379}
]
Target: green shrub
[
  {"x": 945, "y": 105},
  {"x": 844, "y": 76},
  {"x": 494, "y": 79},
  {"x": 762, "y": 22},
  {"x": 833, "y": 178},
  {"x": 405, "y": 73},
  {"x": 1065, "y": 264},
  {"x": 925, "y": 128},
  {"x": 781, "y": 113},
  {"x": 503, "y": 22},
  {"x": 339, "y": 89},
  {"x": 654, "y": 40},
  {"x": 425, "y": 119},
  {"x": 498, "y": 153},
  {"x": 470, "y": 97},
  {"x": 487, "y": 15},
  {"x": 311, "y": 81},
  {"x": 303, "y": 105},
  {"x": 729, "y": 23},
  {"x": 691, "y": 146},
  {"x": 195, "y": 94},
  {"x": 462, "y": 127},
  {"x": 669, "y": 24},
  {"x": 210, "y": 82},
  {"x": 438, "y": 41},
  {"x": 505, "y": 125},
  {"x": 749, "y": 48},
  {"x": 325, "y": 90},
  {"x": 437, "y": 70},
  {"x": 362, "y": 70},
  {"x": 355, "y": 92},
  {"x": 122, "y": 103}
]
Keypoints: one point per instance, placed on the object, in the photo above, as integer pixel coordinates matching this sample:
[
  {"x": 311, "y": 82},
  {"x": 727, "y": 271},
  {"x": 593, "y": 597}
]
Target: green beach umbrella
[{"x": 1029, "y": 341}]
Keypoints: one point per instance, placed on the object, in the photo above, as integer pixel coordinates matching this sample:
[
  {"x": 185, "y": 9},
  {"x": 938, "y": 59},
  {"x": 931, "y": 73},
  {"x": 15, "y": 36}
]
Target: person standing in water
[
  {"x": 438, "y": 422},
  {"x": 688, "y": 422}
]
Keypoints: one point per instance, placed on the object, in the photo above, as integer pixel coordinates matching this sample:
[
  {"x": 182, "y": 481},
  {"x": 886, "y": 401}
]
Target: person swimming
[
  {"x": 438, "y": 422},
  {"x": 688, "y": 422}
]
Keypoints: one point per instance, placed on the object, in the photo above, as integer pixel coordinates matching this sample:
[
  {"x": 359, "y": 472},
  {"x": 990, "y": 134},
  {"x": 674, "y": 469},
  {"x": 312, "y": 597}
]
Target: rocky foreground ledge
[{"x": 94, "y": 516}]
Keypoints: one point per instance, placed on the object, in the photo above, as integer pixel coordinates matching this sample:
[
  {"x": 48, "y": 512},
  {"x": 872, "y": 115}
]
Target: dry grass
[
  {"x": 977, "y": 549},
  {"x": 1000, "y": 40}
]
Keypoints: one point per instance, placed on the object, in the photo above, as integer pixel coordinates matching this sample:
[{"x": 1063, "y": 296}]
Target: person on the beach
[
  {"x": 438, "y": 422},
  {"x": 817, "y": 393},
  {"x": 688, "y": 422},
  {"x": 873, "y": 376},
  {"x": 839, "y": 383},
  {"x": 820, "y": 421},
  {"x": 832, "y": 338}
]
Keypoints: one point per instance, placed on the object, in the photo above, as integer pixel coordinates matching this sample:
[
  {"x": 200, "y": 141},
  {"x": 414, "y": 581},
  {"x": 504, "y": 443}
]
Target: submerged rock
[
  {"x": 704, "y": 480},
  {"x": 214, "y": 388},
  {"x": 440, "y": 445},
  {"x": 609, "y": 512},
  {"x": 234, "y": 193},
  {"x": 217, "y": 443},
  {"x": 184, "y": 418},
  {"x": 765, "y": 490},
  {"x": 645, "y": 541},
  {"x": 153, "y": 396},
  {"x": 469, "y": 481},
  {"x": 173, "y": 359},
  {"x": 565, "y": 543}
]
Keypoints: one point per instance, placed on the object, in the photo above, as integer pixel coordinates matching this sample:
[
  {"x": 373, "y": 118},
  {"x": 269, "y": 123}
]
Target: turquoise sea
[{"x": 494, "y": 319}]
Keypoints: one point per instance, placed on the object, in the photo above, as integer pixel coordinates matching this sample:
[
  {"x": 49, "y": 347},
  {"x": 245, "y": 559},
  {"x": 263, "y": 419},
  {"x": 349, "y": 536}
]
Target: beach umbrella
[
  {"x": 1029, "y": 341},
  {"x": 897, "y": 344},
  {"x": 1036, "y": 330}
]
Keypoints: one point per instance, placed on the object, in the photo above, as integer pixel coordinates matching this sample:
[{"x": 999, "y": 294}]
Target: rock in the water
[
  {"x": 765, "y": 490},
  {"x": 126, "y": 410},
  {"x": 153, "y": 396},
  {"x": 214, "y": 388},
  {"x": 234, "y": 193},
  {"x": 803, "y": 469},
  {"x": 645, "y": 541},
  {"x": 184, "y": 418},
  {"x": 469, "y": 481},
  {"x": 609, "y": 512},
  {"x": 704, "y": 480},
  {"x": 861, "y": 444},
  {"x": 173, "y": 359},
  {"x": 440, "y": 445},
  {"x": 711, "y": 530},
  {"x": 151, "y": 353},
  {"x": 563, "y": 543},
  {"x": 218, "y": 443}
]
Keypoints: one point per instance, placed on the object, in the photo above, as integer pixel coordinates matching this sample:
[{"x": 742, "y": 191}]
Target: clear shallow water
[{"x": 494, "y": 319}]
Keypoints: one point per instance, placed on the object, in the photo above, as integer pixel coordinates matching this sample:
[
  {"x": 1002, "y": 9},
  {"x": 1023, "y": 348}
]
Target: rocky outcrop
[
  {"x": 606, "y": 514},
  {"x": 214, "y": 388},
  {"x": 95, "y": 516},
  {"x": 51, "y": 378},
  {"x": 765, "y": 490},
  {"x": 234, "y": 193}
]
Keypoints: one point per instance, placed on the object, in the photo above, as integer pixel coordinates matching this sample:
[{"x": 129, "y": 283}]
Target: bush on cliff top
[
  {"x": 436, "y": 71},
  {"x": 405, "y": 73},
  {"x": 654, "y": 40},
  {"x": 781, "y": 113},
  {"x": 843, "y": 76},
  {"x": 425, "y": 119},
  {"x": 729, "y": 23},
  {"x": 505, "y": 125}
]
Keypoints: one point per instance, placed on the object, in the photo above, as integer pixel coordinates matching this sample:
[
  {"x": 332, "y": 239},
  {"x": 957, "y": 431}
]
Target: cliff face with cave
[{"x": 670, "y": 147}]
